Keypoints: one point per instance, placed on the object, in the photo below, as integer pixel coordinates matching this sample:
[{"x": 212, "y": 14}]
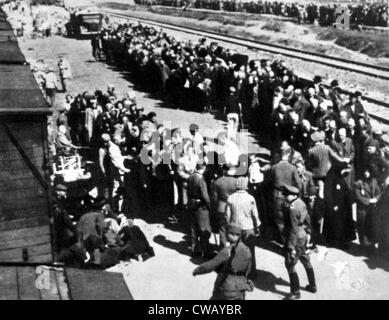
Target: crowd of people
[
  {"x": 372, "y": 14},
  {"x": 325, "y": 158}
]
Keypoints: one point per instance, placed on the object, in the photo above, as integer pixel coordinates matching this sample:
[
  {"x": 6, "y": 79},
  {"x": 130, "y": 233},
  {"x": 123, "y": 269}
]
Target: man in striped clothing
[
  {"x": 320, "y": 158},
  {"x": 242, "y": 209}
]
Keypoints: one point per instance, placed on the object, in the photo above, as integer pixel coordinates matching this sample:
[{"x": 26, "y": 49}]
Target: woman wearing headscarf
[{"x": 367, "y": 194}]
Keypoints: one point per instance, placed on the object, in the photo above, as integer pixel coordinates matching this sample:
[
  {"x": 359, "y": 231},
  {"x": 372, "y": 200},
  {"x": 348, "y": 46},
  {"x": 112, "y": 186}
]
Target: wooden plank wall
[
  {"x": 24, "y": 216},
  {"x": 19, "y": 283}
]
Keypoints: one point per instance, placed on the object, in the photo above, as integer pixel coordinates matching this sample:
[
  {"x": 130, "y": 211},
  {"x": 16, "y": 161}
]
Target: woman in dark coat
[
  {"x": 338, "y": 228},
  {"x": 383, "y": 208},
  {"x": 367, "y": 195}
]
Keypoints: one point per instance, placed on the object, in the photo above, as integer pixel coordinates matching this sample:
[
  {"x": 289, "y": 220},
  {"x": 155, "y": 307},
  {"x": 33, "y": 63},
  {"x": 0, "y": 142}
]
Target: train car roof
[
  {"x": 5, "y": 25},
  {"x": 19, "y": 92},
  {"x": 10, "y": 53},
  {"x": 7, "y": 35}
]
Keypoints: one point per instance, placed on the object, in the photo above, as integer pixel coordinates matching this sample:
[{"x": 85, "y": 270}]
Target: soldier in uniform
[
  {"x": 232, "y": 264},
  {"x": 222, "y": 188},
  {"x": 199, "y": 207},
  {"x": 297, "y": 231},
  {"x": 282, "y": 173}
]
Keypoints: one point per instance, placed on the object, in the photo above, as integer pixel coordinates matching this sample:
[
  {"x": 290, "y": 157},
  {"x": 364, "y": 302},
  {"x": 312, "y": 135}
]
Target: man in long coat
[
  {"x": 222, "y": 188},
  {"x": 297, "y": 229},
  {"x": 282, "y": 173},
  {"x": 338, "y": 228},
  {"x": 344, "y": 147},
  {"x": 367, "y": 194},
  {"x": 199, "y": 206}
]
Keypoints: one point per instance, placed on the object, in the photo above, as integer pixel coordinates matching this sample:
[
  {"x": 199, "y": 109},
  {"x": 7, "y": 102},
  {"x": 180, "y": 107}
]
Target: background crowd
[
  {"x": 321, "y": 143},
  {"x": 372, "y": 14}
]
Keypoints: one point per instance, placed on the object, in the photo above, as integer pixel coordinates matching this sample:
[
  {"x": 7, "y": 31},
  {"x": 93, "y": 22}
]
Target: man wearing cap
[
  {"x": 377, "y": 164},
  {"x": 335, "y": 95},
  {"x": 320, "y": 157},
  {"x": 63, "y": 223},
  {"x": 222, "y": 188},
  {"x": 354, "y": 107},
  {"x": 232, "y": 264},
  {"x": 297, "y": 231},
  {"x": 199, "y": 206},
  {"x": 241, "y": 209},
  {"x": 282, "y": 173}
]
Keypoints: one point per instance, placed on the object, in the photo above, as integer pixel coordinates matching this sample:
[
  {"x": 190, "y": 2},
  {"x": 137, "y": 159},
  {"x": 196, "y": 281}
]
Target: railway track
[{"x": 380, "y": 72}]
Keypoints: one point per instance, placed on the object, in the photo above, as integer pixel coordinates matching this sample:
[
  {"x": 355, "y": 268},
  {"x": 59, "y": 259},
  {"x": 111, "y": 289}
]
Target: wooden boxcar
[
  {"x": 31, "y": 281},
  {"x": 25, "y": 205}
]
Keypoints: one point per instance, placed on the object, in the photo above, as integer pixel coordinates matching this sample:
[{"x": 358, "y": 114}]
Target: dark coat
[
  {"x": 367, "y": 213},
  {"x": 300, "y": 106},
  {"x": 221, "y": 190},
  {"x": 379, "y": 167},
  {"x": 338, "y": 219},
  {"x": 91, "y": 223},
  {"x": 285, "y": 173},
  {"x": 358, "y": 110},
  {"x": 199, "y": 201},
  {"x": 297, "y": 224},
  {"x": 346, "y": 150}
]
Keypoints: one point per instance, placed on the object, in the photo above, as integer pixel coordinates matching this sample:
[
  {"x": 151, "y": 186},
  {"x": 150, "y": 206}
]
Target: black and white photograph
[{"x": 194, "y": 150}]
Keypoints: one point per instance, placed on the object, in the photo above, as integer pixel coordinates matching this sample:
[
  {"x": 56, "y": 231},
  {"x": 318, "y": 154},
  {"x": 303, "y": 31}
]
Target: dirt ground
[{"x": 168, "y": 275}]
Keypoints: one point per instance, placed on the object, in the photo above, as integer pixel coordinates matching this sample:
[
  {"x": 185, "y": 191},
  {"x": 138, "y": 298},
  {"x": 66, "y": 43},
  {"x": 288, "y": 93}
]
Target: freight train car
[{"x": 25, "y": 206}]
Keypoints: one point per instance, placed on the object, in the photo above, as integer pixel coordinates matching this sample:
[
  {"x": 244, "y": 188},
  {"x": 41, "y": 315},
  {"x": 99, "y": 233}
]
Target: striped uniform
[
  {"x": 320, "y": 157},
  {"x": 242, "y": 210}
]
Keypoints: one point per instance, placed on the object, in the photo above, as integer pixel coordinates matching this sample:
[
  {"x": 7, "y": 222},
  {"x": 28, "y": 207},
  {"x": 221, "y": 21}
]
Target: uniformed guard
[
  {"x": 233, "y": 264},
  {"x": 199, "y": 207},
  {"x": 296, "y": 232}
]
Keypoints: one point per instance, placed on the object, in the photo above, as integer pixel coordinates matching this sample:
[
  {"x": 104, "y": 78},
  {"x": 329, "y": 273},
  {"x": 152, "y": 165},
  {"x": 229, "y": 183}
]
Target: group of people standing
[
  {"x": 325, "y": 157},
  {"x": 372, "y": 14}
]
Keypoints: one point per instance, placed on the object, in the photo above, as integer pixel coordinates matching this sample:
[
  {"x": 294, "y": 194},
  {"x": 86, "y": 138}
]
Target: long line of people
[
  {"x": 368, "y": 14},
  {"x": 321, "y": 144}
]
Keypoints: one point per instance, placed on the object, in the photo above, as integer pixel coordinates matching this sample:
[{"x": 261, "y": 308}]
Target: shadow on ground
[{"x": 266, "y": 281}]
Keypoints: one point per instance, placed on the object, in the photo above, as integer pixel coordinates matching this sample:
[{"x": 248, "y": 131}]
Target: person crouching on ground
[{"x": 233, "y": 264}]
